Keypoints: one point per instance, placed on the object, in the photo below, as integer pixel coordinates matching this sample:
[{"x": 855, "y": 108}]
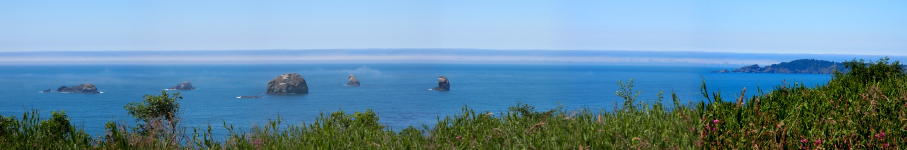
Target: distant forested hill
[{"x": 808, "y": 66}]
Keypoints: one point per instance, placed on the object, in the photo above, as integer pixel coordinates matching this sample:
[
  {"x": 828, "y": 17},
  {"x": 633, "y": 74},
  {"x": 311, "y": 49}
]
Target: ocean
[{"x": 398, "y": 93}]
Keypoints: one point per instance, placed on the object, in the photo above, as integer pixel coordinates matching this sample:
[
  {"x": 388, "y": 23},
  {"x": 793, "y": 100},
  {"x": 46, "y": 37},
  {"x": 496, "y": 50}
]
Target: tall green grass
[{"x": 860, "y": 109}]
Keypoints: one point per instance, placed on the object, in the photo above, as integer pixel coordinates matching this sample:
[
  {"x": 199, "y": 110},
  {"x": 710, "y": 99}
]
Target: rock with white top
[
  {"x": 443, "y": 84},
  {"x": 353, "y": 81}
]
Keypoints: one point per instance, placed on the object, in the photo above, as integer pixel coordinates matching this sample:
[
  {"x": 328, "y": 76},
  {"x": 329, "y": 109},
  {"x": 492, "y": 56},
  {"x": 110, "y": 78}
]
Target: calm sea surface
[{"x": 397, "y": 92}]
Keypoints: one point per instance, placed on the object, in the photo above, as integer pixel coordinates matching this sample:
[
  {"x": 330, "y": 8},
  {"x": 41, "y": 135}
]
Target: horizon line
[{"x": 488, "y": 49}]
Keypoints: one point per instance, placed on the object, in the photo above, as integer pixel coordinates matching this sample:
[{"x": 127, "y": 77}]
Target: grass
[{"x": 860, "y": 109}]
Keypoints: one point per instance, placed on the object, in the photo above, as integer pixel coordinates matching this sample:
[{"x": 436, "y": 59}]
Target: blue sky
[{"x": 802, "y": 27}]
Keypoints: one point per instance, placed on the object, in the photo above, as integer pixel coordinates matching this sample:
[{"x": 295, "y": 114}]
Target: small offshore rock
[
  {"x": 288, "y": 83},
  {"x": 443, "y": 84},
  {"x": 249, "y": 97},
  {"x": 353, "y": 81},
  {"x": 82, "y": 88},
  {"x": 46, "y": 91},
  {"x": 721, "y": 71},
  {"x": 183, "y": 86}
]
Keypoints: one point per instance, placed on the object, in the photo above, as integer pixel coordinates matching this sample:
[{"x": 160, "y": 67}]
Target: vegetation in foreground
[{"x": 862, "y": 109}]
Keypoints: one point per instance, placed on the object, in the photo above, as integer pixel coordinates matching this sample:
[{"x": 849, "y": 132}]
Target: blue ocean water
[{"x": 398, "y": 93}]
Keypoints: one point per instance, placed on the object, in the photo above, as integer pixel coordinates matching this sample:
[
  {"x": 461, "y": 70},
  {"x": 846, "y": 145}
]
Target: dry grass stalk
[
  {"x": 642, "y": 143},
  {"x": 535, "y": 126},
  {"x": 599, "y": 119},
  {"x": 740, "y": 100}
]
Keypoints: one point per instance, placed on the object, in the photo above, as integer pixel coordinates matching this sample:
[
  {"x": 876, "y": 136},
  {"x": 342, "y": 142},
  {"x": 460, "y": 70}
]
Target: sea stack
[
  {"x": 183, "y": 86},
  {"x": 443, "y": 84},
  {"x": 288, "y": 83},
  {"x": 83, "y": 88},
  {"x": 353, "y": 81}
]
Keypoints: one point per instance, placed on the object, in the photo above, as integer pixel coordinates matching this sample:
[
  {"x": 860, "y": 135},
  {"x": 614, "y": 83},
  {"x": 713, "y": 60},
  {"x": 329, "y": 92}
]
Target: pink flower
[
  {"x": 716, "y": 121},
  {"x": 676, "y": 147},
  {"x": 803, "y": 140},
  {"x": 883, "y": 134},
  {"x": 818, "y": 142},
  {"x": 458, "y": 137}
]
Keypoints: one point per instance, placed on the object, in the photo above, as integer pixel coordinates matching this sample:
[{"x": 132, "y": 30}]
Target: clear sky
[{"x": 811, "y": 27}]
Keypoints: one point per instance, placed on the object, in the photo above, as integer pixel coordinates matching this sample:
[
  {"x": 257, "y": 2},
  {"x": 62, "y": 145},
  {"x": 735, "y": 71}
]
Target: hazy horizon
[{"x": 441, "y": 56}]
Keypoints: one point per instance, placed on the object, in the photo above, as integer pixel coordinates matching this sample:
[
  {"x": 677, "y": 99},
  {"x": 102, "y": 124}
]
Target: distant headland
[{"x": 804, "y": 66}]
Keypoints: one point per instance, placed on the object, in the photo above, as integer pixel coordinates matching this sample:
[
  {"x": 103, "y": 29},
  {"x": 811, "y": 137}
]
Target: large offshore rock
[
  {"x": 443, "y": 84},
  {"x": 183, "y": 86},
  {"x": 353, "y": 81},
  {"x": 288, "y": 83},
  {"x": 82, "y": 88}
]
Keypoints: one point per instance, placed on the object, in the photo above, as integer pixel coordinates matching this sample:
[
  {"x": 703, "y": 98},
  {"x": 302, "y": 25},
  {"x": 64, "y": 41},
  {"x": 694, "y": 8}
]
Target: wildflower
[
  {"x": 716, "y": 121},
  {"x": 883, "y": 134},
  {"x": 458, "y": 137},
  {"x": 803, "y": 140},
  {"x": 676, "y": 147},
  {"x": 818, "y": 142}
]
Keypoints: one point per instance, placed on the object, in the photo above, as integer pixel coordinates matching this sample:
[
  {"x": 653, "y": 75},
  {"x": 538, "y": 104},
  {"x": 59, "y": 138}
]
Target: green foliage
[
  {"x": 524, "y": 110},
  {"x": 626, "y": 92},
  {"x": 31, "y": 132},
  {"x": 862, "y": 72},
  {"x": 158, "y": 129},
  {"x": 162, "y": 106},
  {"x": 862, "y": 109},
  {"x": 367, "y": 119}
]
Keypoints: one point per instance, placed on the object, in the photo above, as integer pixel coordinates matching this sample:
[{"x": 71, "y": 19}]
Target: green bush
[
  {"x": 158, "y": 127},
  {"x": 860, "y": 109},
  {"x": 33, "y": 133},
  {"x": 156, "y": 111}
]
